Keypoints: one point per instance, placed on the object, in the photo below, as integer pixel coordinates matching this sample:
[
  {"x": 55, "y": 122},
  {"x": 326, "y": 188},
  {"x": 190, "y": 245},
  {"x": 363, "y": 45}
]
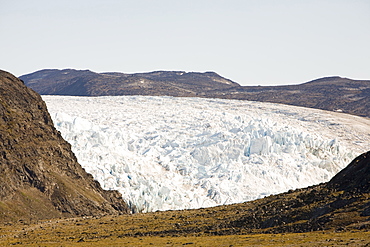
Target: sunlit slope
[{"x": 39, "y": 175}]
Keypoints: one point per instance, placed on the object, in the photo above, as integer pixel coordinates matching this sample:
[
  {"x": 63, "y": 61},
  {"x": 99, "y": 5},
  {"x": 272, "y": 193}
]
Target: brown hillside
[
  {"x": 89, "y": 83},
  {"x": 40, "y": 176},
  {"x": 329, "y": 93}
]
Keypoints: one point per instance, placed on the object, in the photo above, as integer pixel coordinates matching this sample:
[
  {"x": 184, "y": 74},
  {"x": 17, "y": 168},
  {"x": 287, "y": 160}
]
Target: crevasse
[{"x": 166, "y": 153}]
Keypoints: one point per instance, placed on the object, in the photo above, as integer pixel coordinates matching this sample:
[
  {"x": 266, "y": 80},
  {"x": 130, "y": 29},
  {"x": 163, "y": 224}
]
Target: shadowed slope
[{"x": 355, "y": 177}]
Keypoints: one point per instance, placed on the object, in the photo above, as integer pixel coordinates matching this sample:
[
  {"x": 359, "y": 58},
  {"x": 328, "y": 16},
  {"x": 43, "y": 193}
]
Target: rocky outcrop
[
  {"x": 40, "y": 176},
  {"x": 355, "y": 177},
  {"x": 341, "y": 203}
]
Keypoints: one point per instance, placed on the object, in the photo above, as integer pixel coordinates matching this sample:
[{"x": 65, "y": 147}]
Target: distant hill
[
  {"x": 330, "y": 93},
  {"x": 88, "y": 83},
  {"x": 40, "y": 176}
]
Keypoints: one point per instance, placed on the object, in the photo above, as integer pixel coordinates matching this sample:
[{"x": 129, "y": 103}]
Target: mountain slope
[
  {"x": 88, "y": 83},
  {"x": 330, "y": 93},
  {"x": 40, "y": 176}
]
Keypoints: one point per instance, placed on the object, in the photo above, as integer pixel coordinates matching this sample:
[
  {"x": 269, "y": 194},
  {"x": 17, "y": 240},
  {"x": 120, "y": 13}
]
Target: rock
[{"x": 355, "y": 177}]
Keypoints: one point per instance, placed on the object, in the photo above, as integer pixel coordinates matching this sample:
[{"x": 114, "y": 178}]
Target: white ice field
[{"x": 166, "y": 153}]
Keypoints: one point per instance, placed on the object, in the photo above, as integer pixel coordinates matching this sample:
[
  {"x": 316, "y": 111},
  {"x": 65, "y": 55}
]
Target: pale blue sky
[{"x": 253, "y": 42}]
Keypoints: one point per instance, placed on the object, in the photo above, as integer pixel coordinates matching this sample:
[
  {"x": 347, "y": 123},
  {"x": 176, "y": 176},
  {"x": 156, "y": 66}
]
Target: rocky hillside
[
  {"x": 342, "y": 203},
  {"x": 331, "y": 93},
  {"x": 88, "y": 83},
  {"x": 40, "y": 176}
]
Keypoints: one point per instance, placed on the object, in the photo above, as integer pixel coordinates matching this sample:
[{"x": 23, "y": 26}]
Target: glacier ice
[{"x": 167, "y": 153}]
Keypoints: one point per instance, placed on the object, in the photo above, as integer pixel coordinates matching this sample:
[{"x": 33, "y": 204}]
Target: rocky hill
[
  {"x": 88, "y": 83},
  {"x": 40, "y": 176},
  {"x": 330, "y": 93}
]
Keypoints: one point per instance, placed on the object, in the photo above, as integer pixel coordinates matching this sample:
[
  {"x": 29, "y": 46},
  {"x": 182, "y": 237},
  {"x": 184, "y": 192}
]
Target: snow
[{"x": 167, "y": 153}]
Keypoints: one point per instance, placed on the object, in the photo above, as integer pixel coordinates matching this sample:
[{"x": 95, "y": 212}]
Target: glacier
[{"x": 167, "y": 153}]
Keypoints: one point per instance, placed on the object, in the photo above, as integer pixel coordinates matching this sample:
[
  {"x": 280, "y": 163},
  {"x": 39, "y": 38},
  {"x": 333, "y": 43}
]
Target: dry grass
[
  {"x": 245, "y": 224},
  {"x": 137, "y": 230},
  {"x": 228, "y": 225}
]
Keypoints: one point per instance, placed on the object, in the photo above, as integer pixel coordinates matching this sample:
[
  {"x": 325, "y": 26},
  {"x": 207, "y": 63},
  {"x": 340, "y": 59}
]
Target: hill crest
[
  {"x": 88, "y": 83},
  {"x": 329, "y": 93}
]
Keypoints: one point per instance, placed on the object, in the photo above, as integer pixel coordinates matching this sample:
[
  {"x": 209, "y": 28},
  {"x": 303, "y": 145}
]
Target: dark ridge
[
  {"x": 88, "y": 83},
  {"x": 355, "y": 177},
  {"x": 329, "y": 93}
]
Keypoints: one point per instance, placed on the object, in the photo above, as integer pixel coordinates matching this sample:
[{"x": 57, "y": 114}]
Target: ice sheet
[{"x": 166, "y": 153}]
